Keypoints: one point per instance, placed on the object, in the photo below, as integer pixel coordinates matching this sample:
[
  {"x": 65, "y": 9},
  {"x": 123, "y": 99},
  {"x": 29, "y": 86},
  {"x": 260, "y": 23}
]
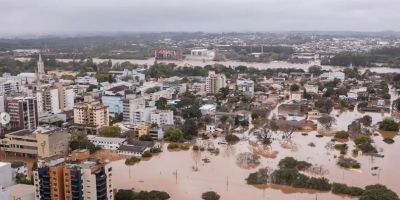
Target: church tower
[{"x": 40, "y": 69}]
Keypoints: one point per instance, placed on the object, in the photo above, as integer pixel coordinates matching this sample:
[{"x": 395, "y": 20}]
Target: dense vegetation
[
  {"x": 389, "y": 125},
  {"x": 142, "y": 195},
  {"x": 288, "y": 174},
  {"x": 388, "y": 55}
]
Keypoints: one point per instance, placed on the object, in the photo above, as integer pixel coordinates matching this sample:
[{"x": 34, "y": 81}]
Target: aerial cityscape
[{"x": 182, "y": 100}]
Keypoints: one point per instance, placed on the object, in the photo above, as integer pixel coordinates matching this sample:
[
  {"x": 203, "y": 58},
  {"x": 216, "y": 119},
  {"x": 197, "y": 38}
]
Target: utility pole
[
  {"x": 176, "y": 176},
  {"x": 227, "y": 183}
]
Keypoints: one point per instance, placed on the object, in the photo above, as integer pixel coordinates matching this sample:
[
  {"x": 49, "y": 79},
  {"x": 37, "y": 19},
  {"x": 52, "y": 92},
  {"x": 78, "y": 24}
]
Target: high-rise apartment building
[
  {"x": 23, "y": 113},
  {"x": 91, "y": 114},
  {"x": 162, "y": 117},
  {"x": 60, "y": 180},
  {"x": 215, "y": 82},
  {"x": 55, "y": 98}
]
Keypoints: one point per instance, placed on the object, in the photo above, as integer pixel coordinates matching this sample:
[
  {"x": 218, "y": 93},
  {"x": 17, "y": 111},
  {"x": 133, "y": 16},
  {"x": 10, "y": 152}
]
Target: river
[{"x": 197, "y": 62}]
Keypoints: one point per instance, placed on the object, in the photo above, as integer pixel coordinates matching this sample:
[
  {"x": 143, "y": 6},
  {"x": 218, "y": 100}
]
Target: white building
[
  {"x": 130, "y": 106},
  {"x": 330, "y": 76},
  {"x": 54, "y": 101},
  {"x": 142, "y": 115},
  {"x": 246, "y": 86},
  {"x": 6, "y": 172},
  {"x": 295, "y": 96},
  {"x": 311, "y": 88},
  {"x": 86, "y": 80},
  {"x": 199, "y": 87},
  {"x": 162, "y": 117},
  {"x": 208, "y": 109},
  {"x": 109, "y": 143},
  {"x": 203, "y": 54},
  {"x": 69, "y": 98}
]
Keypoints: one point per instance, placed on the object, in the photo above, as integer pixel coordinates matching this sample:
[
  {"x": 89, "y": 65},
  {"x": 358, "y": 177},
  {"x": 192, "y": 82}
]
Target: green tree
[
  {"x": 294, "y": 88},
  {"x": 161, "y": 103},
  {"x": 378, "y": 192},
  {"x": 366, "y": 120},
  {"x": 110, "y": 131},
  {"x": 174, "y": 135},
  {"x": 389, "y": 125}
]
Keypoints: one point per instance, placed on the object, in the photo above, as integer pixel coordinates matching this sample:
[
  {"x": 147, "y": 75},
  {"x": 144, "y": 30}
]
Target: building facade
[
  {"x": 23, "y": 113},
  {"x": 91, "y": 114},
  {"x": 215, "y": 82}
]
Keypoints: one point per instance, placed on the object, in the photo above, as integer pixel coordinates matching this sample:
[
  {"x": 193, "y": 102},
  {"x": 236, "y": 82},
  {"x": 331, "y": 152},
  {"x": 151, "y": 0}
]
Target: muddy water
[
  {"x": 223, "y": 175},
  {"x": 271, "y": 65}
]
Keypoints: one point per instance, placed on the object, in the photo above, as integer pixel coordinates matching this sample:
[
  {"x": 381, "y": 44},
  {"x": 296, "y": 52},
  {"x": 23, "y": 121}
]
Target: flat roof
[{"x": 20, "y": 190}]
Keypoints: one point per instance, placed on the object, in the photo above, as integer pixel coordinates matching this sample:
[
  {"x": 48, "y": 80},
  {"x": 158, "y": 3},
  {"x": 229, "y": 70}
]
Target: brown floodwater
[{"x": 186, "y": 174}]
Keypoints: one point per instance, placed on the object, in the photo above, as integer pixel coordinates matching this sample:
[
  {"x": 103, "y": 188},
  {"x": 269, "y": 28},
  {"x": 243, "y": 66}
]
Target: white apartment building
[
  {"x": 215, "y": 82},
  {"x": 86, "y": 80},
  {"x": 69, "y": 98},
  {"x": 129, "y": 107},
  {"x": 162, "y": 117},
  {"x": 142, "y": 115},
  {"x": 54, "y": 101},
  {"x": 246, "y": 86},
  {"x": 199, "y": 87}
]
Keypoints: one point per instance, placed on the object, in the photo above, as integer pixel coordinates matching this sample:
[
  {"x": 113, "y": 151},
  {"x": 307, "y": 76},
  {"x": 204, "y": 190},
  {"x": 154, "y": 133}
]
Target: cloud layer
[{"x": 19, "y": 17}]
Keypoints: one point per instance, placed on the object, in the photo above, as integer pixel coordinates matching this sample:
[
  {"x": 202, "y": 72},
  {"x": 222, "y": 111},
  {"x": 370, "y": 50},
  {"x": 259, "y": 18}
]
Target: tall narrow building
[
  {"x": 215, "y": 82},
  {"x": 40, "y": 69}
]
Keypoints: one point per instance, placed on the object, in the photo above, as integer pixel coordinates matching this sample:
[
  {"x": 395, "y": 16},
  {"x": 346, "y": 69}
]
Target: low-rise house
[
  {"x": 208, "y": 109},
  {"x": 313, "y": 89},
  {"x": 136, "y": 148},
  {"x": 109, "y": 143},
  {"x": 296, "y": 96},
  {"x": 330, "y": 76}
]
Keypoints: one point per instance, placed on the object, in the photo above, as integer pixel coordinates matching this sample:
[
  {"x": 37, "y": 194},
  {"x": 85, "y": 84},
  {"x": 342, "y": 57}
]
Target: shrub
[
  {"x": 342, "y": 148},
  {"x": 364, "y": 144},
  {"x": 348, "y": 163},
  {"x": 341, "y": 135},
  {"x": 156, "y": 150},
  {"x": 132, "y": 160},
  {"x": 291, "y": 163},
  {"x": 147, "y": 154},
  {"x": 231, "y": 138},
  {"x": 172, "y": 146},
  {"x": 211, "y": 195},
  {"x": 338, "y": 188},
  {"x": 259, "y": 177},
  {"x": 389, "y": 125},
  {"x": 184, "y": 147}
]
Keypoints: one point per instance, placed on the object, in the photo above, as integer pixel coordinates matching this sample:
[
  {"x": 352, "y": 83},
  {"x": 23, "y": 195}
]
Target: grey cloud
[{"x": 74, "y": 16}]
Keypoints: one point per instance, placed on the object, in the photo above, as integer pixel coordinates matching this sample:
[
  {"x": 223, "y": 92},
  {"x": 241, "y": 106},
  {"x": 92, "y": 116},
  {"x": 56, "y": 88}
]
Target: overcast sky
[{"x": 21, "y": 17}]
